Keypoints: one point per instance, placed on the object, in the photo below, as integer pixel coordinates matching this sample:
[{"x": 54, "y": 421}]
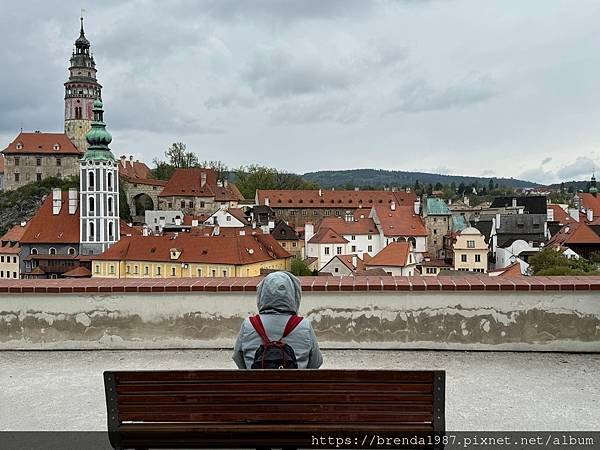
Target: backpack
[{"x": 274, "y": 354}]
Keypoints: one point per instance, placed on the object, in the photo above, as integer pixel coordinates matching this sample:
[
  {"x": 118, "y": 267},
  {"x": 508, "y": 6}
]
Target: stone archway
[{"x": 140, "y": 204}]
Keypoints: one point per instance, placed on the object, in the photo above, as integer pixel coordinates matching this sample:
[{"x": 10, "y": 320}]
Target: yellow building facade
[{"x": 470, "y": 251}]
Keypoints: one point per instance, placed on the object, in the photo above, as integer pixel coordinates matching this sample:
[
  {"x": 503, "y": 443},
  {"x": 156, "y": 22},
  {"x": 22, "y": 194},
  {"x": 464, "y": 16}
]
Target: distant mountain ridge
[{"x": 379, "y": 178}]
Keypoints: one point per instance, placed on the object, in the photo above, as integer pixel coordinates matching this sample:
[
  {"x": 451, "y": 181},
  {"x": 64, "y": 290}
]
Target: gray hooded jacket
[{"x": 278, "y": 298}]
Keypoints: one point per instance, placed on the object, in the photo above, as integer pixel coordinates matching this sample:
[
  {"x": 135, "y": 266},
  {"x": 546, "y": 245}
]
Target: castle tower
[
  {"x": 99, "y": 189},
  {"x": 81, "y": 89}
]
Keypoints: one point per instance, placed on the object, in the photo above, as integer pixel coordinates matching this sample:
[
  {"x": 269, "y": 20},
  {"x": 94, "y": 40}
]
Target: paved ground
[{"x": 485, "y": 391}]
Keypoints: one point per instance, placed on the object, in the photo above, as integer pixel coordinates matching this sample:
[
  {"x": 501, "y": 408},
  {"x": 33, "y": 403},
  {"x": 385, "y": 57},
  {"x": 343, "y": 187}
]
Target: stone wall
[{"x": 528, "y": 313}]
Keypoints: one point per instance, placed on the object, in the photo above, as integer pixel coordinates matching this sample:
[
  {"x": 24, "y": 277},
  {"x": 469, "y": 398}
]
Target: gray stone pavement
[{"x": 63, "y": 390}]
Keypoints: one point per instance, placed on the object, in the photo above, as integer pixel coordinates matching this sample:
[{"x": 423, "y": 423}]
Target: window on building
[
  {"x": 199, "y": 271},
  {"x": 190, "y": 204},
  {"x": 337, "y": 213},
  {"x": 327, "y": 250},
  {"x": 170, "y": 205},
  {"x": 370, "y": 248},
  {"x": 338, "y": 250},
  {"x": 110, "y": 210},
  {"x": 1, "y": 273},
  {"x": 292, "y": 212},
  {"x": 228, "y": 218},
  {"x": 17, "y": 177},
  {"x": 58, "y": 162},
  {"x": 92, "y": 234},
  {"x": 353, "y": 238},
  {"x": 38, "y": 177},
  {"x": 38, "y": 161},
  {"x": 146, "y": 270},
  {"x": 336, "y": 269},
  {"x": 112, "y": 269},
  {"x": 71, "y": 251},
  {"x": 327, "y": 212},
  {"x": 370, "y": 237},
  {"x": 109, "y": 181},
  {"x": 1, "y": 258},
  {"x": 463, "y": 258},
  {"x": 158, "y": 270},
  {"x": 52, "y": 251},
  {"x": 470, "y": 244},
  {"x": 305, "y": 212},
  {"x": 214, "y": 273},
  {"x": 90, "y": 180},
  {"x": 477, "y": 258},
  {"x": 294, "y": 244},
  {"x": 97, "y": 268},
  {"x": 14, "y": 274},
  {"x": 201, "y": 204},
  {"x": 17, "y": 160},
  {"x": 127, "y": 268},
  {"x": 225, "y": 273},
  {"x": 14, "y": 259},
  {"x": 283, "y": 244},
  {"x": 34, "y": 251},
  {"x": 434, "y": 231},
  {"x": 354, "y": 249},
  {"x": 173, "y": 271},
  {"x": 91, "y": 204}
]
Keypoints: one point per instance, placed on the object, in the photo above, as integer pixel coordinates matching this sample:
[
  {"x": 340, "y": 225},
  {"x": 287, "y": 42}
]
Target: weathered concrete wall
[{"x": 538, "y": 321}]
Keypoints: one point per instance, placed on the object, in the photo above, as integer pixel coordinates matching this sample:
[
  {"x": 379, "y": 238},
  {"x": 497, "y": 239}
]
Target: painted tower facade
[
  {"x": 99, "y": 189},
  {"x": 81, "y": 90}
]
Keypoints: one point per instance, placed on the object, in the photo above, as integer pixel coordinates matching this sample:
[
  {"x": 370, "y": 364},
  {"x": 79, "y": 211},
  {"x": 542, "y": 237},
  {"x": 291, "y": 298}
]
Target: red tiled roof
[
  {"x": 575, "y": 233},
  {"x": 560, "y": 215},
  {"x": 207, "y": 230},
  {"x": 237, "y": 250},
  {"x": 15, "y": 234},
  {"x": 400, "y": 222},
  {"x": 344, "y": 227},
  {"x": 42, "y": 143},
  {"x": 591, "y": 202},
  {"x": 395, "y": 254},
  {"x": 327, "y": 236},
  {"x": 436, "y": 263},
  {"x": 187, "y": 183},
  {"x": 187, "y": 219},
  {"x": 134, "y": 169},
  {"x": 347, "y": 261},
  {"x": 10, "y": 250},
  {"x": 47, "y": 228},
  {"x": 310, "y": 198},
  {"x": 129, "y": 230},
  {"x": 78, "y": 272},
  {"x": 514, "y": 270}
]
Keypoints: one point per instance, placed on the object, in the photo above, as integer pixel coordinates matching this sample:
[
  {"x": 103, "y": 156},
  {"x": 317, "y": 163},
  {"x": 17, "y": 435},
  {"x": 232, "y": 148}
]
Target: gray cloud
[
  {"x": 546, "y": 160},
  {"x": 582, "y": 167}
]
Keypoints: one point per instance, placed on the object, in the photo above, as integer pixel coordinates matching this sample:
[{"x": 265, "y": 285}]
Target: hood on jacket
[{"x": 279, "y": 293}]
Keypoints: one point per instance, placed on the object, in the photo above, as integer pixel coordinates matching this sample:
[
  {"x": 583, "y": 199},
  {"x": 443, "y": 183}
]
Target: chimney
[
  {"x": 417, "y": 206},
  {"x": 56, "y": 201},
  {"x": 266, "y": 201},
  {"x": 514, "y": 202},
  {"x": 145, "y": 231},
  {"x": 216, "y": 230},
  {"x": 73, "y": 195},
  {"x": 202, "y": 179},
  {"x": 574, "y": 213},
  {"x": 123, "y": 160},
  {"x": 265, "y": 229},
  {"x": 309, "y": 231},
  {"x": 356, "y": 189},
  {"x": 242, "y": 232},
  {"x": 497, "y": 221},
  {"x": 393, "y": 206},
  {"x": 550, "y": 213},
  {"x": 590, "y": 215},
  {"x": 194, "y": 222},
  {"x": 354, "y": 260},
  {"x": 225, "y": 183},
  {"x": 271, "y": 224},
  {"x": 131, "y": 158},
  {"x": 320, "y": 192},
  {"x": 254, "y": 224}
]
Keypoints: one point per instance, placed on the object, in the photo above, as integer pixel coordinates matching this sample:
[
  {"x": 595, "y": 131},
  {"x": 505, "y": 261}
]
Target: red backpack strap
[
  {"x": 260, "y": 329},
  {"x": 292, "y": 323}
]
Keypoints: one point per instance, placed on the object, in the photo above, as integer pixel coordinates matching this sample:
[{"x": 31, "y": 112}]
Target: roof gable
[
  {"x": 42, "y": 143},
  {"x": 48, "y": 228}
]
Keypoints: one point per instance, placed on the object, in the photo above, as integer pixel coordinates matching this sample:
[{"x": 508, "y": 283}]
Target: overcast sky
[{"x": 471, "y": 87}]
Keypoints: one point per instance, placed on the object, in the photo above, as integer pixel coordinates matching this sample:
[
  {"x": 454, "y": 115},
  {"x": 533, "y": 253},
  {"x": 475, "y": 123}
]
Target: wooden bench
[{"x": 269, "y": 408}]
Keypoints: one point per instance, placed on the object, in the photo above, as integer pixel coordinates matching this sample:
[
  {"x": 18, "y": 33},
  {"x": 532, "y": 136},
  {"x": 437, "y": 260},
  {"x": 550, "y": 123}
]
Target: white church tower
[{"x": 99, "y": 189}]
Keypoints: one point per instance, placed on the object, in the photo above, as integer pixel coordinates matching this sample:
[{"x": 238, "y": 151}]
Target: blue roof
[
  {"x": 459, "y": 222},
  {"x": 437, "y": 207}
]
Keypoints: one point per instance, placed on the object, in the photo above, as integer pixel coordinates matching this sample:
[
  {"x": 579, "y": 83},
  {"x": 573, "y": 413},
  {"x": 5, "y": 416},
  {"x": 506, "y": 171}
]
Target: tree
[
  {"x": 300, "y": 268},
  {"x": 162, "y": 170},
  {"x": 124, "y": 211},
  {"x": 461, "y": 188},
  {"x": 549, "y": 262},
  {"x": 218, "y": 166},
  {"x": 250, "y": 178},
  {"x": 491, "y": 185},
  {"x": 439, "y": 186},
  {"x": 178, "y": 157}
]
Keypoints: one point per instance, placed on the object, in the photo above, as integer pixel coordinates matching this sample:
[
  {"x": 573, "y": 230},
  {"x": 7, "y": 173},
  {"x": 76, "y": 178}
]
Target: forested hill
[{"x": 373, "y": 178}]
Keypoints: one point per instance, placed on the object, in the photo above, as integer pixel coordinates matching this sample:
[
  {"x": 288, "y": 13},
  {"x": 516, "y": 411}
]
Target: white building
[
  {"x": 99, "y": 190},
  {"x": 228, "y": 218}
]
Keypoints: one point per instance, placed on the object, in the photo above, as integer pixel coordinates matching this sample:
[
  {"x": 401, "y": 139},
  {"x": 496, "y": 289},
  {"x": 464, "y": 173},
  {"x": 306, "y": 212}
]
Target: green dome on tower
[{"x": 98, "y": 138}]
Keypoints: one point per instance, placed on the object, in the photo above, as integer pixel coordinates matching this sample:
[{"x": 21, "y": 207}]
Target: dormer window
[
  {"x": 56, "y": 147},
  {"x": 175, "y": 253},
  {"x": 19, "y": 146}
]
